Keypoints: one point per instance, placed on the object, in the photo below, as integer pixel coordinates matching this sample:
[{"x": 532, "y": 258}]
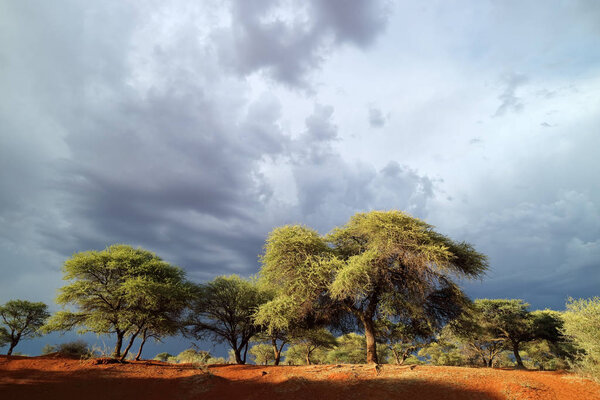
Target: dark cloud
[{"x": 289, "y": 39}]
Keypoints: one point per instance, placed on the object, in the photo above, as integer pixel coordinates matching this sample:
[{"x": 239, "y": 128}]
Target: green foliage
[
  {"x": 309, "y": 346},
  {"x": 582, "y": 325},
  {"x": 443, "y": 353},
  {"x": 404, "y": 338},
  {"x": 164, "y": 357},
  {"x": 379, "y": 265},
  {"x": 121, "y": 290},
  {"x": 193, "y": 356},
  {"x": 76, "y": 348},
  {"x": 262, "y": 354},
  {"x": 21, "y": 319},
  {"x": 351, "y": 349},
  {"x": 224, "y": 310},
  {"x": 48, "y": 348}
]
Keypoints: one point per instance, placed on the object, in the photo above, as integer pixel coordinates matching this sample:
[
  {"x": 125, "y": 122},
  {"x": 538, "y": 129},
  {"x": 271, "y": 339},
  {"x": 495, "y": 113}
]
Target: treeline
[{"x": 386, "y": 276}]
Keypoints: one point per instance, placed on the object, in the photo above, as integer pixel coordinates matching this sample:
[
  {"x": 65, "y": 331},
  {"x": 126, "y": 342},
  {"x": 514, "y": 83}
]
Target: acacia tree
[
  {"x": 582, "y": 325},
  {"x": 403, "y": 338},
  {"x": 22, "y": 319},
  {"x": 114, "y": 291},
  {"x": 379, "y": 265},
  {"x": 474, "y": 330},
  {"x": 306, "y": 341},
  {"x": 224, "y": 310}
]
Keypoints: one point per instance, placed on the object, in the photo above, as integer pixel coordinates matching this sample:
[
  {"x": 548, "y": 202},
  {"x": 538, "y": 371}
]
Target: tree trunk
[
  {"x": 517, "y": 356},
  {"x": 276, "y": 351},
  {"x": 396, "y": 356},
  {"x": 117, "y": 352},
  {"x": 10, "y": 349},
  {"x": 489, "y": 363},
  {"x": 308, "y": 351},
  {"x": 144, "y": 338},
  {"x": 245, "y": 353},
  {"x": 129, "y": 345},
  {"x": 238, "y": 355},
  {"x": 370, "y": 336}
]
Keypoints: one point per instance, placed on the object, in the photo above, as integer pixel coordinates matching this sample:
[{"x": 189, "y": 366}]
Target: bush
[
  {"x": 582, "y": 325},
  {"x": 48, "y": 348},
  {"x": 191, "y": 356},
  {"x": 441, "y": 353},
  {"x": 163, "y": 357},
  {"x": 76, "y": 348}
]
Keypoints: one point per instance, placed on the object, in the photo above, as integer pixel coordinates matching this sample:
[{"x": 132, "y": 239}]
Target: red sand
[{"x": 54, "y": 377}]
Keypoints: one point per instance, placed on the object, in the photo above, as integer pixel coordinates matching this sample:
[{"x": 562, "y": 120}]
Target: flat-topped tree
[
  {"x": 380, "y": 265},
  {"x": 21, "y": 319},
  {"x": 120, "y": 290}
]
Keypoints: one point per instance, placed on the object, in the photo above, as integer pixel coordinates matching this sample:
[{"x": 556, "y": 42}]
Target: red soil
[{"x": 54, "y": 377}]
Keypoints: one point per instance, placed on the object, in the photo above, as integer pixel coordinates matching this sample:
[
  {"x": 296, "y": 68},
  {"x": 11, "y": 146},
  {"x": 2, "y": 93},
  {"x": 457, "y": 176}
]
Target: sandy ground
[{"x": 54, "y": 377}]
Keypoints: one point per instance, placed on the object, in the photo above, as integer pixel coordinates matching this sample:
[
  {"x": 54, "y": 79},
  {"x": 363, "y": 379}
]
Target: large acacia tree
[
  {"x": 380, "y": 265},
  {"x": 122, "y": 291}
]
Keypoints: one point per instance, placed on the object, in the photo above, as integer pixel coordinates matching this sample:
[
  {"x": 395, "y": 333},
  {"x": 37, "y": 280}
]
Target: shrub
[
  {"x": 582, "y": 325},
  {"x": 76, "y": 348},
  {"x": 163, "y": 357},
  {"x": 48, "y": 348}
]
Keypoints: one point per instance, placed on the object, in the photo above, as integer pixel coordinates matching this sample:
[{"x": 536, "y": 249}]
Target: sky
[{"x": 193, "y": 129}]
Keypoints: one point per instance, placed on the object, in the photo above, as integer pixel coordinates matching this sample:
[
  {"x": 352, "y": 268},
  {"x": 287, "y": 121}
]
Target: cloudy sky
[{"x": 194, "y": 128}]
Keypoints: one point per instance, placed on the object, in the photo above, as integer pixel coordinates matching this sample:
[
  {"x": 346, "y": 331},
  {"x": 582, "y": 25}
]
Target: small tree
[
  {"x": 21, "y": 320},
  {"x": 582, "y": 325},
  {"x": 119, "y": 290},
  {"x": 224, "y": 310},
  {"x": 404, "y": 338},
  {"x": 477, "y": 333},
  {"x": 262, "y": 354},
  {"x": 307, "y": 341}
]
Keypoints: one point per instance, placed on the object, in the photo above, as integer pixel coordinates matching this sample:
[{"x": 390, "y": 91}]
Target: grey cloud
[
  {"x": 289, "y": 48},
  {"x": 509, "y": 100},
  {"x": 376, "y": 118}
]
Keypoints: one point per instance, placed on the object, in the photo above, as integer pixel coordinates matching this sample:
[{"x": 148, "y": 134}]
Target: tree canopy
[
  {"x": 379, "y": 265},
  {"x": 123, "y": 291},
  {"x": 582, "y": 325},
  {"x": 21, "y": 319}
]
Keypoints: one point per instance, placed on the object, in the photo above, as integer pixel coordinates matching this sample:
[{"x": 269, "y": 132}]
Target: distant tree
[
  {"x": 120, "y": 290},
  {"x": 582, "y": 325},
  {"x": 275, "y": 340},
  {"x": 307, "y": 341},
  {"x": 348, "y": 349},
  {"x": 164, "y": 357},
  {"x": 21, "y": 319},
  {"x": 404, "y": 338},
  {"x": 75, "y": 348},
  {"x": 224, "y": 310},
  {"x": 442, "y": 352},
  {"x": 512, "y": 322},
  {"x": 193, "y": 356},
  {"x": 379, "y": 265},
  {"x": 480, "y": 336},
  {"x": 48, "y": 348},
  {"x": 262, "y": 354}
]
